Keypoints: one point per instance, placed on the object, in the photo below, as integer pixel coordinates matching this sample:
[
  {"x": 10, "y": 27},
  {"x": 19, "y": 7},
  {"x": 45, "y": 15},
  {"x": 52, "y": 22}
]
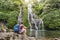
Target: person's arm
[{"x": 25, "y": 27}]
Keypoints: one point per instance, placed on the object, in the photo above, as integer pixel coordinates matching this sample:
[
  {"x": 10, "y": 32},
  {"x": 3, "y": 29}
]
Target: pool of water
[
  {"x": 40, "y": 34},
  {"x": 52, "y": 34}
]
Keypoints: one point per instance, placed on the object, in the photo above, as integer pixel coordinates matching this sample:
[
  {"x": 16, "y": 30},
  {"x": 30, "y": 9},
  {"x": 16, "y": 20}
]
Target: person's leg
[
  {"x": 25, "y": 31},
  {"x": 24, "y": 34}
]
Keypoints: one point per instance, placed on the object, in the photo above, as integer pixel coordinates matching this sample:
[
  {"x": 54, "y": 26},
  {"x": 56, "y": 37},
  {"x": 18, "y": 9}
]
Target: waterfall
[
  {"x": 36, "y": 23},
  {"x": 20, "y": 15},
  {"x": 31, "y": 18},
  {"x": 43, "y": 34}
]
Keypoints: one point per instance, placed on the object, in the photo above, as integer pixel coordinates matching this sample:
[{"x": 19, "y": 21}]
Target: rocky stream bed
[{"x": 15, "y": 36}]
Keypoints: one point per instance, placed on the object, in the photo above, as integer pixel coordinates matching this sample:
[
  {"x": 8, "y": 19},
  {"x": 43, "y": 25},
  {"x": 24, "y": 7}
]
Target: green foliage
[
  {"x": 38, "y": 7},
  {"x": 9, "y": 11},
  {"x": 8, "y": 5},
  {"x": 24, "y": 17},
  {"x": 11, "y": 22},
  {"x": 51, "y": 14},
  {"x": 3, "y": 16},
  {"x": 9, "y": 17},
  {"x": 52, "y": 19}
]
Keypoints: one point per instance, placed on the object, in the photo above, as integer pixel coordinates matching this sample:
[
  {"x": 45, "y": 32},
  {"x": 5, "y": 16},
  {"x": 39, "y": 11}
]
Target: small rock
[
  {"x": 56, "y": 39},
  {"x": 32, "y": 38}
]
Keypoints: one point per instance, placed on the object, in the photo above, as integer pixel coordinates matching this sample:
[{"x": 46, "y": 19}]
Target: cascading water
[
  {"x": 20, "y": 15},
  {"x": 36, "y": 23},
  {"x": 30, "y": 15}
]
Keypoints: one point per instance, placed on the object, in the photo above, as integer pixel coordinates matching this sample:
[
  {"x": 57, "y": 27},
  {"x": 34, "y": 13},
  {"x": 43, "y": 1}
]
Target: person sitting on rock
[{"x": 22, "y": 28}]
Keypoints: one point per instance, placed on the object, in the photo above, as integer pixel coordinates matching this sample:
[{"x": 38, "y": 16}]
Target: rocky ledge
[{"x": 13, "y": 36}]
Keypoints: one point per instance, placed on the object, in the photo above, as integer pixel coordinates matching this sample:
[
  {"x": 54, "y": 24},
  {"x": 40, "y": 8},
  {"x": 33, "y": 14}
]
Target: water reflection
[
  {"x": 36, "y": 33},
  {"x": 47, "y": 34}
]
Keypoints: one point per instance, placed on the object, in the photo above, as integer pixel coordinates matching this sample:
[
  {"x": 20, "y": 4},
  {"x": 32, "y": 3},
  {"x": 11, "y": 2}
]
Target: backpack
[{"x": 16, "y": 28}]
